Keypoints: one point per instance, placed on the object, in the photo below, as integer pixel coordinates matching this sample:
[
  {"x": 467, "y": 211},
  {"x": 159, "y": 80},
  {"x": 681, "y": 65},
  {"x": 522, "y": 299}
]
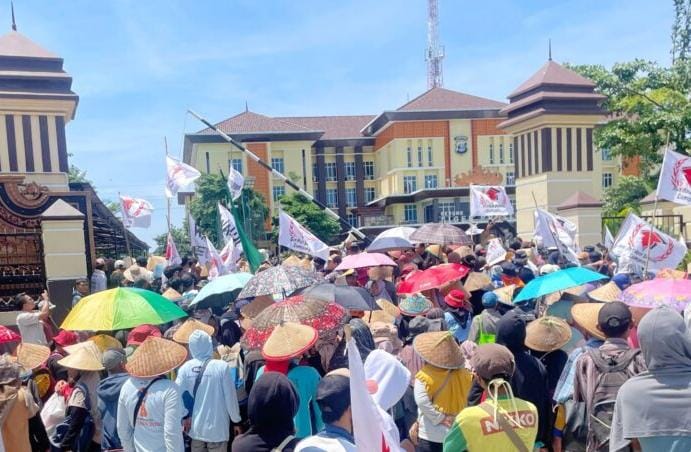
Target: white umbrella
[{"x": 392, "y": 239}]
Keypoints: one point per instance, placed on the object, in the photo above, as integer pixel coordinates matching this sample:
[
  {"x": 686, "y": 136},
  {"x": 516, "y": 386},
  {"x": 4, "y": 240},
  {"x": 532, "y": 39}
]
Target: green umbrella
[{"x": 119, "y": 309}]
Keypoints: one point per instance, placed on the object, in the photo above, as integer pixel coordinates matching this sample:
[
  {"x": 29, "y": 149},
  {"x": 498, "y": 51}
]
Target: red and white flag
[
  {"x": 638, "y": 242},
  {"x": 553, "y": 231},
  {"x": 489, "y": 201},
  {"x": 178, "y": 175},
  {"x": 230, "y": 257},
  {"x": 136, "y": 213},
  {"x": 674, "y": 183},
  {"x": 295, "y": 236},
  {"x": 172, "y": 255},
  {"x": 216, "y": 266}
]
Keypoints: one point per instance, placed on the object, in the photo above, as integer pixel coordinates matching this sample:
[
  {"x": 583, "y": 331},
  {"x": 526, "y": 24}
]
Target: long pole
[
  {"x": 652, "y": 221},
  {"x": 287, "y": 181},
  {"x": 165, "y": 143},
  {"x": 125, "y": 232}
]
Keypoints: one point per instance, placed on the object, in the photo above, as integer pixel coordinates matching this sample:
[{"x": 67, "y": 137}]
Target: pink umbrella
[
  {"x": 675, "y": 293},
  {"x": 363, "y": 260}
]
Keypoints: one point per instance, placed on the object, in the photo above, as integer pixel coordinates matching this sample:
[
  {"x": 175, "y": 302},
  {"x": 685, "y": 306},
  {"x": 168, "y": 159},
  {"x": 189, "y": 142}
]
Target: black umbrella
[{"x": 351, "y": 298}]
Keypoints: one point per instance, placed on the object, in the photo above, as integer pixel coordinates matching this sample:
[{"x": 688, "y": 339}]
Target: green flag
[{"x": 252, "y": 254}]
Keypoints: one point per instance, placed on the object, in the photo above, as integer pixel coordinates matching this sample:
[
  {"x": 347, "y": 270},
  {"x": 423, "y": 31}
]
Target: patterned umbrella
[
  {"x": 441, "y": 234},
  {"x": 364, "y": 260},
  {"x": 675, "y": 293},
  {"x": 279, "y": 280},
  {"x": 432, "y": 278},
  {"x": 351, "y": 298},
  {"x": 7, "y": 335},
  {"x": 327, "y": 318}
]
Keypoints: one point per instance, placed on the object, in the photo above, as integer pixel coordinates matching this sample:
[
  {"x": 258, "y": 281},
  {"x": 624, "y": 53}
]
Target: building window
[
  {"x": 352, "y": 220},
  {"x": 277, "y": 164},
  {"x": 369, "y": 194},
  {"x": 430, "y": 156},
  {"x": 330, "y": 171},
  {"x": 510, "y": 152},
  {"x": 510, "y": 178},
  {"x": 409, "y": 184},
  {"x": 431, "y": 181},
  {"x": 606, "y": 155},
  {"x": 491, "y": 152},
  {"x": 236, "y": 164},
  {"x": 419, "y": 153},
  {"x": 410, "y": 213},
  {"x": 501, "y": 153},
  {"x": 315, "y": 172},
  {"x": 606, "y": 180},
  {"x": 369, "y": 170},
  {"x": 351, "y": 197},
  {"x": 350, "y": 170},
  {"x": 277, "y": 192},
  {"x": 409, "y": 155},
  {"x": 331, "y": 197}
]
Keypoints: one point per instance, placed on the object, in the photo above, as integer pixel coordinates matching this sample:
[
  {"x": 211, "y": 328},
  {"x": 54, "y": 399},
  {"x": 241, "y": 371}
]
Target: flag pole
[
  {"x": 278, "y": 174},
  {"x": 556, "y": 243},
  {"x": 165, "y": 143},
  {"x": 652, "y": 221},
  {"x": 125, "y": 231}
]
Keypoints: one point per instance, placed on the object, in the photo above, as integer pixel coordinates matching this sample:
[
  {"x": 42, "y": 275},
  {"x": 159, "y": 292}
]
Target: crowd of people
[{"x": 456, "y": 367}]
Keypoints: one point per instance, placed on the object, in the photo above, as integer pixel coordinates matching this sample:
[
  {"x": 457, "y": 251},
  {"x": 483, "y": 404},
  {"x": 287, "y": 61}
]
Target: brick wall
[
  {"x": 412, "y": 129},
  {"x": 260, "y": 174}
]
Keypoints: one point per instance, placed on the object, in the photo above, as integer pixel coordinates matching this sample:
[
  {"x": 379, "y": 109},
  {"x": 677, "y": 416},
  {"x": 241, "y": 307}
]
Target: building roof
[
  {"x": 552, "y": 73},
  {"x": 446, "y": 99},
  {"x": 579, "y": 199},
  {"x": 334, "y": 127},
  {"x": 250, "y": 122},
  {"x": 16, "y": 44}
]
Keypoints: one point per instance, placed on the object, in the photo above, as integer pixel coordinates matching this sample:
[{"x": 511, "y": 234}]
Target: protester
[
  {"x": 80, "y": 290},
  {"x": 458, "y": 315},
  {"x": 30, "y": 323},
  {"x": 117, "y": 275},
  {"x": 108, "y": 392},
  {"x": 652, "y": 408},
  {"x": 483, "y": 329},
  {"x": 99, "y": 281},
  {"x": 17, "y": 406},
  {"x": 514, "y": 421},
  {"x": 63, "y": 339},
  {"x": 545, "y": 337}
]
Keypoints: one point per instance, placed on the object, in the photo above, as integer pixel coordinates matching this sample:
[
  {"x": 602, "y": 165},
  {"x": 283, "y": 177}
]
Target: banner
[
  {"x": 230, "y": 234},
  {"x": 489, "y": 201},
  {"x": 198, "y": 243},
  {"x": 638, "y": 242},
  {"x": 230, "y": 257},
  {"x": 609, "y": 239},
  {"x": 295, "y": 236},
  {"x": 216, "y": 267},
  {"x": 495, "y": 252},
  {"x": 172, "y": 255},
  {"x": 674, "y": 183},
  {"x": 178, "y": 175},
  {"x": 136, "y": 213},
  {"x": 235, "y": 183},
  {"x": 553, "y": 231}
]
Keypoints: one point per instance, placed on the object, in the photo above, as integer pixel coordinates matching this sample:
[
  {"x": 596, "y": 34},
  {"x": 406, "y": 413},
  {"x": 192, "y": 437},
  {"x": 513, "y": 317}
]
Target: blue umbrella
[
  {"x": 559, "y": 280},
  {"x": 220, "y": 291}
]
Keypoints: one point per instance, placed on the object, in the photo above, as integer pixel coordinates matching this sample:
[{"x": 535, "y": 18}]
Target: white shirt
[
  {"x": 429, "y": 418},
  {"x": 31, "y": 328}
]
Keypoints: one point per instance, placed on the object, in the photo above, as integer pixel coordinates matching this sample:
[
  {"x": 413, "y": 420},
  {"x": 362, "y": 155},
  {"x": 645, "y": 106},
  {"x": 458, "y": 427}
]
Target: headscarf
[
  {"x": 363, "y": 337},
  {"x": 271, "y": 406},
  {"x": 656, "y": 402},
  {"x": 390, "y": 376}
]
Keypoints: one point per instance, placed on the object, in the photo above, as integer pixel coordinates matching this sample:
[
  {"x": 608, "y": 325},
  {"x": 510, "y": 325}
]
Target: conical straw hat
[
  {"x": 182, "y": 335},
  {"x": 585, "y": 315},
  {"x": 105, "y": 342},
  {"x": 172, "y": 294},
  {"x": 378, "y": 316},
  {"x": 289, "y": 340},
  {"x": 388, "y": 307},
  {"x": 476, "y": 281},
  {"x": 257, "y": 305},
  {"x": 608, "y": 292},
  {"x": 547, "y": 334},
  {"x": 293, "y": 261},
  {"x": 31, "y": 356},
  {"x": 505, "y": 294},
  {"x": 155, "y": 356},
  {"x": 86, "y": 357},
  {"x": 439, "y": 349}
]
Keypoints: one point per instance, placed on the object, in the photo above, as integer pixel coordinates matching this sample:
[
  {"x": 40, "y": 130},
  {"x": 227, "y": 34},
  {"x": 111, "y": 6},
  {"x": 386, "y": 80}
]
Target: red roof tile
[
  {"x": 446, "y": 99},
  {"x": 334, "y": 127},
  {"x": 552, "y": 73},
  {"x": 17, "y": 45},
  {"x": 250, "y": 122}
]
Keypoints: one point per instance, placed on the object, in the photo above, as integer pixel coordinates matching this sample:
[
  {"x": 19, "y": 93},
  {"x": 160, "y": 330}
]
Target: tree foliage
[
  {"x": 681, "y": 30},
  {"x": 308, "y": 214},
  {"x": 77, "y": 175},
  {"x": 625, "y": 196},
  {"x": 181, "y": 238}
]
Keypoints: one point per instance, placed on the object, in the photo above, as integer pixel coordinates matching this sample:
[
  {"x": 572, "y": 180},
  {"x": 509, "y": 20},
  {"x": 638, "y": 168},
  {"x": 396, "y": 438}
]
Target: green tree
[
  {"x": 77, "y": 175},
  {"x": 113, "y": 206},
  {"x": 625, "y": 196},
  {"x": 308, "y": 214},
  {"x": 681, "y": 30},
  {"x": 181, "y": 238}
]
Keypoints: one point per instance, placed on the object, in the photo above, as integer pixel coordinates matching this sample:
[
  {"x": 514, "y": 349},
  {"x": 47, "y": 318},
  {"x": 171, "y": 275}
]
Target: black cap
[
  {"x": 614, "y": 316},
  {"x": 508, "y": 269},
  {"x": 333, "y": 397}
]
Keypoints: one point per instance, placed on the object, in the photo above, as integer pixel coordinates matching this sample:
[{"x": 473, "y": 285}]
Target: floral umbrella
[
  {"x": 280, "y": 279},
  {"x": 675, "y": 293},
  {"x": 325, "y": 317}
]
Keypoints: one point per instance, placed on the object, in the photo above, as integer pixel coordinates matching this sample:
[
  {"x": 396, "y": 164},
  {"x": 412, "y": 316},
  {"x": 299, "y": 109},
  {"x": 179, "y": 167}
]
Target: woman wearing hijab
[
  {"x": 272, "y": 405},
  {"x": 652, "y": 408},
  {"x": 363, "y": 337}
]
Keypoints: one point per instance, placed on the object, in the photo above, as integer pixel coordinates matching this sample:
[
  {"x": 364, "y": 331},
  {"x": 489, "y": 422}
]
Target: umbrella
[
  {"x": 441, "y": 234},
  {"x": 280, "y": 279},
  {"x": 7, "y": 335},
  {"x": 392, "y": 239},
  {"x": 362, "y": 260},
  {"x": 675, "y": 293},
  {"x": 327, "y": 318},
  {"x": 351, "y": 298},
  {"x": 559, "y": 280},
  {"x": 220, "y": 291},
  {"x": 119, "y": 309},
  {"x": 432, "y": 278}
]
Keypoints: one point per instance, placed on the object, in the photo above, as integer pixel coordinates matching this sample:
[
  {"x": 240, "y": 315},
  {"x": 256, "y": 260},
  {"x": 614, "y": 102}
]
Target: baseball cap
[
  {"x": 489, "y": 299},
  {"x": 614, "y": 318},
  {"x": 333, "y": 396},
  {"x": 491, "y": 360}
]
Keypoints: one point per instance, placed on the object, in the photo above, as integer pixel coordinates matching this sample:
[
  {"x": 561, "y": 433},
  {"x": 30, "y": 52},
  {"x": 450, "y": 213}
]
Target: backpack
[
  {"x": 613, "y": 372},
  {"x": 83, "y": 440}
]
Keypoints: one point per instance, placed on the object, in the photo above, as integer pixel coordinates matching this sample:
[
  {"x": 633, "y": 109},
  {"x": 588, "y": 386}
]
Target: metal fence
[{"x": 669, "y": 224}]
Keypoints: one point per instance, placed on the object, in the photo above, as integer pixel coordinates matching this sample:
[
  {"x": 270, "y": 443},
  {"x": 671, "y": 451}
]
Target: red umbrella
[
  {"x": 432, "y": 278},
  {"x": 7, "y": 335}
]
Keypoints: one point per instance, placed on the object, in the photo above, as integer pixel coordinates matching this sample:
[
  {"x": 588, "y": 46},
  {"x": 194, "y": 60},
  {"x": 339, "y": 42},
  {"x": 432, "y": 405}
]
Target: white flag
[
  {"x": 136, "y": 213},
  {"x": 230, "y": 233},
  {"x": 172, "y": 255},
  {"x": 178, "y": 175},
  {"x": 495, "y": 252},
  {"x": 216, "y": 266},
  {"x": 638, "y": 242},
  {"x": 295, "y": 236},
  {"x": 674, "y": 183},
  {"x": 555, "y": 231},
  {"x": 235, "y": 183},
  {"x": 489, "y": 201},
  {"x": 609, "y": 239},
  {"x": 229, "y": 257},
  {"x": 198, "y": 242}
]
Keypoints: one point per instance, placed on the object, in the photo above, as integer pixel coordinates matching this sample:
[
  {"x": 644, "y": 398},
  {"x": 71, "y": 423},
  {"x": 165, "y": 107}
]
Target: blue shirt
[
  {"x": 460, "y": 333},
  {"x": 564, "y": 389}
]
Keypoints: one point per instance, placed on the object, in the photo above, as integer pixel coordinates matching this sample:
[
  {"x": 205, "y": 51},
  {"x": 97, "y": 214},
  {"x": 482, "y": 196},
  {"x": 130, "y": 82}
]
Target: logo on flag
[
  {"x": 489, "y": 201},
  {"x": 178, "y": 175},
  {"x": 235, "y": 183},
  {"x": 674, "y": 183},
  {"x": 230, "y": 235},
  {"x": 295, "y": 236},
  {"x": 554, "y": 231},
  {"x": 172, "y": 255},
  {"x": 136, "y": 213},
  {"x": 198, "y": 242}
]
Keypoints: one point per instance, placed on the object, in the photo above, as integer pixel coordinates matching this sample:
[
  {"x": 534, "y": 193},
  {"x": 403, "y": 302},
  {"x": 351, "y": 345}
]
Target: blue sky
[{"x": 139, "y": 65}]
